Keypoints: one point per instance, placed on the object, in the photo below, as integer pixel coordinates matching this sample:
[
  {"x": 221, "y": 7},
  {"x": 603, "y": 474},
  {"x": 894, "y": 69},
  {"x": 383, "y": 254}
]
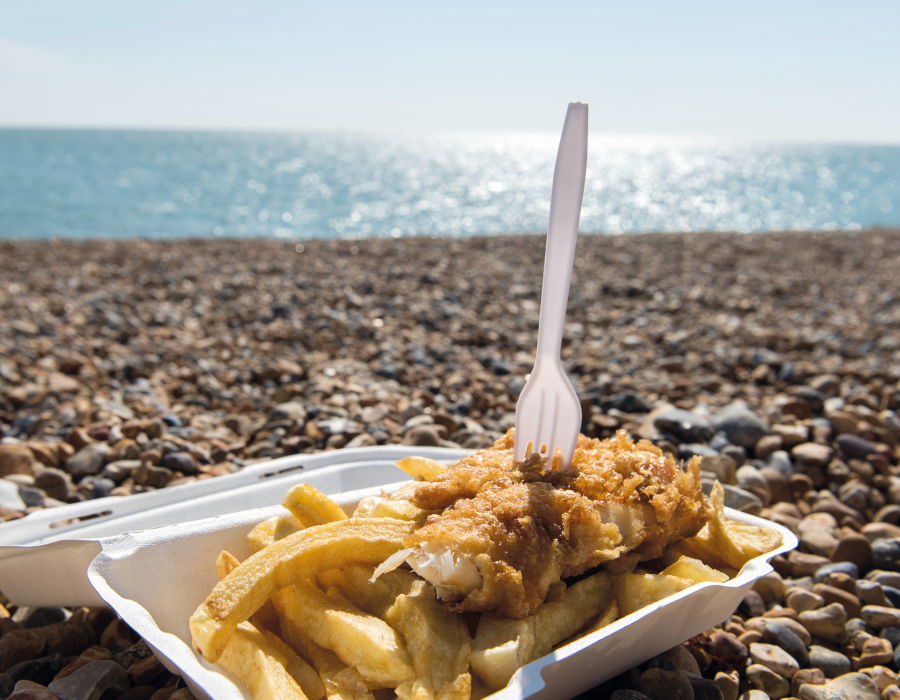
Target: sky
[{"x": 787, "y": 71}]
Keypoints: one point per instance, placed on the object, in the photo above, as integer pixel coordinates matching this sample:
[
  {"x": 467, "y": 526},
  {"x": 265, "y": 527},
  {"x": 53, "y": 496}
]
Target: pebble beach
[{"x": 132, "y": 366}]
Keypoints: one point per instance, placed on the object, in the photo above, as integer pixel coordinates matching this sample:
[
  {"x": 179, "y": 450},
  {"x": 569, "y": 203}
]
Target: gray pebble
[
  {"x": 742, "y": 426},
  {"x": 886, "y": 554},
  {"x": 831, "y": 663},
  {"x": 88, "y": 460},
  {"x": 773, "y": 633},
  {"x": 92, "y": 681}
]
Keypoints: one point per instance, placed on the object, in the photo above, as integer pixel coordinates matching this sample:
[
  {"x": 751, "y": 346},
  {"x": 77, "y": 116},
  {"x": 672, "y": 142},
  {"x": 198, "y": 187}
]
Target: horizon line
[{"x": 342, "y": 131}]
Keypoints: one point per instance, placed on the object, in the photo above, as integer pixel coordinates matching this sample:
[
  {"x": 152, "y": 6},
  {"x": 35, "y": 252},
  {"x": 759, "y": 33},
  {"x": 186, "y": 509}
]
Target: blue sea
[{"x": 169, "y": 184}]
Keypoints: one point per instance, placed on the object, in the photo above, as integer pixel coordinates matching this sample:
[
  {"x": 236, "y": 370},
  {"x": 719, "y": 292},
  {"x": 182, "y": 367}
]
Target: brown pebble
[
  {"x": 117, "y": 633},
  {"x": 803, "y": 564},
  {"x": 839, "y": 579},
  {"x": 856, "y": 549},
  {"x": 830, "y": 594},
  {"x": 813, "y": 676},
  {"x": 876, "y": 652},
  {"x": 749, "y": 638}
]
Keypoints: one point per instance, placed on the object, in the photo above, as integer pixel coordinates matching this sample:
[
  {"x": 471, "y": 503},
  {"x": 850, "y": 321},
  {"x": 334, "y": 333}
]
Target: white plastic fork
[{"x": 548, "y": 414}]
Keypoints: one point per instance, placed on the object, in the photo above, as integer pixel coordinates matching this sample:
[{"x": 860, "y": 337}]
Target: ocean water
[{"x": 165, "y": 184}]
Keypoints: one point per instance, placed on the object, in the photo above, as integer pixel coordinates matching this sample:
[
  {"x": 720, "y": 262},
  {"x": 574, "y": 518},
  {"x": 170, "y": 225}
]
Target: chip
[
  {"x": 297, "y": 556},
  {"x": 312, "y": 507},
  {"x": 269, "y": 532},
  {"x": 421, "y": 468}
]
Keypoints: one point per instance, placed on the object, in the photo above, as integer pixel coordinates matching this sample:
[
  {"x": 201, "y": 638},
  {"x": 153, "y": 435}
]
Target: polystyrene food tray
[
  {"x": 156, "y": 579},
  {"x": 43, "y": 565}
]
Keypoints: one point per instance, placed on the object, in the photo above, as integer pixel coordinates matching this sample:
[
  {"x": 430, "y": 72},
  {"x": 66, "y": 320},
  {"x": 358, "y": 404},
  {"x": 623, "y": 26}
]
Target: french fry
[
  {"x": 503, "y": 645},
  {"x": 359, "y": 639},
  {"x": 297, "y": 556},
  {"x": 694, "y": 570},
  {"x": 305, "y": 675},
  {"x": 340, "y": 681},
  {"x": 557, "y": 621},
  {"x": 400, "y": 510},
  {"x": 726, "y": 541},
  {"x": 438, "y": 640},
  {"x": 421, "y": 468},
  {"x": 269, "y": 532},
  {"x": 263, "y": 619},
  {"x": 638, "y": 590},
  {"x": 250, "y": 657},
  {"x": 604, "y": 619},
  {"x": 366, "y": 506},
  {"x": 226, "y": 562},
  {"x": 312, "y": 507}
]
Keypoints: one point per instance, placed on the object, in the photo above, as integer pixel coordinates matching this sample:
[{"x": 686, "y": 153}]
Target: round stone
[
  {"x": 855, "y": 549},
  {"x": 742, "y": 426},
  {"x": 16, "y": 459},
  {"x": 844, "y": 567},
  {"x": 827, "y": 622},
  {"x": 658, "y": 684},
  {"x": 879, "y": 616},
  {"x": 781, "y": 636},
  {"x": 766, "y": 680},
  {"x": 886, "y": 554},
  {"x": 422, "y": 436},
  {"x": 855, "y": 446},
  {"x": 775, "y": 659},
  {"x": 852, "y": 685},
  {"x": 831, "y": 663}
]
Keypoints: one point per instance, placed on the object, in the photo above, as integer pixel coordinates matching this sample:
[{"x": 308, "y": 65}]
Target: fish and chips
[{"x": 445, "y": 588}]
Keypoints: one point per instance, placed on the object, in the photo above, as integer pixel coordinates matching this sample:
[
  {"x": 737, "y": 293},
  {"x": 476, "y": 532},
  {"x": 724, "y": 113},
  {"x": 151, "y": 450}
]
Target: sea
[{"x": 192, "y": 184}]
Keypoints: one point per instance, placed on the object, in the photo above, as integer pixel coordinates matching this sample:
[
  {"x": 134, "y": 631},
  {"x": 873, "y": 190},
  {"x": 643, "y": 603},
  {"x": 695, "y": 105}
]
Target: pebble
[
  {"x": 812, "y": 676},
  {"x": 880, "y": 616},
  {"x": 775, "y": 659},
  {"x": 729, "y": 684},
  {"x": 871, "y": 593},
  {"x": 830, "y": 594},
  {"x": 41, "y": 670},
  {"x": 886, "y": 554},
  {"x": 92, "y": 681},
  {"x": 855, "y": 549},
  {"x": 802, "y": 600},
  {"x": 781, "y": 636},
  {"x": 852, "y": 685},
  {"x": 88, "y": 460},
  {"x": 826, "y": 622},
  {"x": 16, "y": 459},
  {"x": 876, "y": 652},
  {"x": 683, "y": 660},
  {"x": 684, "y": 426},
  {"x": 831, "y": 663},
  {"x": 659, "y": 684},
  {"x": 766, "y": 680},
  {"x": 742, "y": 426}
]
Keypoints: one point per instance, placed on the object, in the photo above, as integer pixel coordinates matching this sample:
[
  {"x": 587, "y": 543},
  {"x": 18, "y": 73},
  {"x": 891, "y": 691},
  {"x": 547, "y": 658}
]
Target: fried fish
[{"x": 509, "y": 531}]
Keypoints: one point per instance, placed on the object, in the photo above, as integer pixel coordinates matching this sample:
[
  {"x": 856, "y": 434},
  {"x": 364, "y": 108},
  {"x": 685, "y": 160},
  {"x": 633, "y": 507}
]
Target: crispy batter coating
[{"x": 525, "y": 528}]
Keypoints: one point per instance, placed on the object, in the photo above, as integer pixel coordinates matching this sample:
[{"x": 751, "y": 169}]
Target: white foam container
[
  {"x": 156, "y": 579},
  {"x": 43, "y": 565}
]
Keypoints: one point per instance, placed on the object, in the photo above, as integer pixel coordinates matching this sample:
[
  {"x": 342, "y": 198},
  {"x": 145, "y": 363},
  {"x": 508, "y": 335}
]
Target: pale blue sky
[{"x": 782, "y": 70}]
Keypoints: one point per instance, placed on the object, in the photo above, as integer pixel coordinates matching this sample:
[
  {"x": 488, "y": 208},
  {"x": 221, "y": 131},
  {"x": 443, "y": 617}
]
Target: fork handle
[{"x": 565, "y": 212}]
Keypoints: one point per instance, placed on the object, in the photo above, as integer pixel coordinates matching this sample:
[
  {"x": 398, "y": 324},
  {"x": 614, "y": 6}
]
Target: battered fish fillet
[{"x": 509, "y": 531}]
